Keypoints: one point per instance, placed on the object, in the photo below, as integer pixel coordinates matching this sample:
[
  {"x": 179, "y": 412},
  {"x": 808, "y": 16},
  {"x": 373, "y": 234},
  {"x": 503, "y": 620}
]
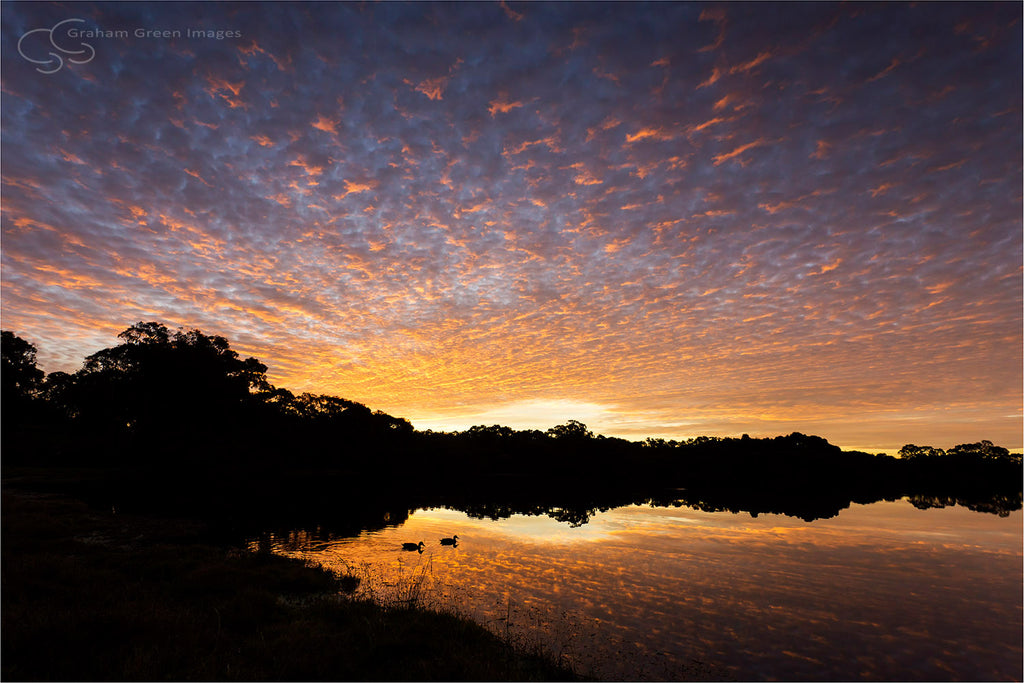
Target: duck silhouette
[
  {"x": 454, "y": 540},
  {"x": 413, "y": 546}
]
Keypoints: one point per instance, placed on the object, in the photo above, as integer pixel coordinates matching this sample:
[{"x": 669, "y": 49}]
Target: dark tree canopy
[
  {"x": 160, "y": 389},
  {"x": 911, "y": 452},
  {"x": 981, "y": 451},
  {"x": 21, "y": 377},
  {"x": 184, "y": 408},
  {"x": 573, "y": 429},
  {"x": 985, "y": 450},
  {"x": 156, "y": 379}
]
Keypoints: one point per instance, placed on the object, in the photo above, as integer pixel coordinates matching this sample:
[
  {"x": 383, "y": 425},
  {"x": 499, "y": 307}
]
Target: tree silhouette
[
  {"x": 983, "y": 450},
  {"x": 912, "y": 452},
  {"x": 572, "y": 430},
  {"x": 191, "y": 418},
  {"x": 159, "y": 381},
  {"x": 20, "y": 395},
  {"x": 21, "y": 378}
]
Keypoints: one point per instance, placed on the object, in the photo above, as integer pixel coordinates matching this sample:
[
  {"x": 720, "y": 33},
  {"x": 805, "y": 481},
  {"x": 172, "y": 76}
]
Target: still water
[{"x": 882, "y": 592}]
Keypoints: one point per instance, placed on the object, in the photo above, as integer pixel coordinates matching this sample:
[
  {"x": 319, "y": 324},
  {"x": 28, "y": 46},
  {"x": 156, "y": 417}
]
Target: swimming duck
[
  {"x": 454, "y": 540},
  {"x": 413, "y": 546}
]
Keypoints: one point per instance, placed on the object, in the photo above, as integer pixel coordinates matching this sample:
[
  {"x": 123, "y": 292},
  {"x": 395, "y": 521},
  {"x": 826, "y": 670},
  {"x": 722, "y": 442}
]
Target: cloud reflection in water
[{"x": 881, "y": 592}]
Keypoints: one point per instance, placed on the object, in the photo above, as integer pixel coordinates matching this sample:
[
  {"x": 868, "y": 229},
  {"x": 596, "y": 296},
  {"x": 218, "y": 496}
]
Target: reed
[{"x": 123, "y": 598}]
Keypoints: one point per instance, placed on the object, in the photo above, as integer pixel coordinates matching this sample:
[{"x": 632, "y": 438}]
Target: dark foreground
[
  {"x": 91, "y": 594},
  {"x": 168, "y": 425}
]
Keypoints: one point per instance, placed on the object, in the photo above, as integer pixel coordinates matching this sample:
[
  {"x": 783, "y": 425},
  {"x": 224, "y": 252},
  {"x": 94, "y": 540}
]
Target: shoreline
[{"x": 93, "y": 594}]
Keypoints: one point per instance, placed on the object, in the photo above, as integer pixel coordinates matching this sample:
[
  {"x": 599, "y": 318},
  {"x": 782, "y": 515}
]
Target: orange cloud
[
  {"x": 721, "y": 158},
  {"x": 220, "y": 87},
  {"x": 195, "y": 174},
  {"x": 306, "y": 166},
  {"x": 254, "y": 49},
  {"x": 69, "y": 279},
  {"x": 775, "y": 208},
  {"x": 886, "y": 71},
  {"x": 828, "y": 267},
  {"x": 433, "y": 88},
  {"x": 821, "y": 150},
  {"x": 607, "y": 75},
  {"x": 940, "y": 287},
  {"x": 717, "y": 15},
  {"x": 707, "y": 124},
  {"x": 948, "y": 167},
  {"x": 223, "y": 84},
  {"x": 355, "y": 188},
  {"x": 68, "y": 156},
  {"x": 650, "y": 133},
  {"x": 325, "y": 124},
  {"x": 502, "y": 106},
  {"x": 551, "y": 142},
  {"x": 476, "y": 207},
  {"x": 643, "y": 170},
  {"x": 724, "y": 102},
  {"x": 608, "y": 124},
  {"x": 712, "y": 79},
  {"x": 757, "y": 61},
  {"x": 584, "y": 177},
  {"x": 616, "y": 245},
  {"x": 881, "y": 189},
  {"x": 509, "y": 12}
]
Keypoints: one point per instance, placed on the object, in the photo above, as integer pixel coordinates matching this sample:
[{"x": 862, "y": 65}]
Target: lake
[{"x": 883, "y": 591}]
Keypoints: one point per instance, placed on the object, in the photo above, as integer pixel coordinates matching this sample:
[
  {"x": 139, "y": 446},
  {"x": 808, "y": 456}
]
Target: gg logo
[{"x": 55, "y": 62}]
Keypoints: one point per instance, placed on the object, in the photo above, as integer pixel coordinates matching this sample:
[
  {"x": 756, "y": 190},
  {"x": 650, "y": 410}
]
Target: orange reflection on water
[{"x": 881, "y": 592}]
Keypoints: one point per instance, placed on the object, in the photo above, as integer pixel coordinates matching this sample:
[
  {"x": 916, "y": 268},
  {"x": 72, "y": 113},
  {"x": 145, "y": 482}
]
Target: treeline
[
  {"x": 184, "y": 413},
  {"x": 180, "y": 394}
]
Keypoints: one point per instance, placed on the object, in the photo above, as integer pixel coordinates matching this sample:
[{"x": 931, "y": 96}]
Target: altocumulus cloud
[{"x": 691, "y": 219}]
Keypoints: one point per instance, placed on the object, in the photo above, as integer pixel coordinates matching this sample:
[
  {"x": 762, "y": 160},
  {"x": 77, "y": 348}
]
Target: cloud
[
  {"x": 433, "y": 88},
  {"x": 325, "y": 124},
  {"x": 502, "y": 106},
  {"x": 821, "y": 149},
  {"x": 225, "y": 90},
  {"x": 722, "y": 158},
  {"x": 716, "y": 74},
  {"x": 354, "y": 188},
  {"x": 649, "y": 134},
  {"x": 436, "y": 227},
  {"x": 886, "y": 71},
  {"x": 757, "y": 61},
  {"x": 716, "y": 15},
  {"x": 510, "y": 13}
]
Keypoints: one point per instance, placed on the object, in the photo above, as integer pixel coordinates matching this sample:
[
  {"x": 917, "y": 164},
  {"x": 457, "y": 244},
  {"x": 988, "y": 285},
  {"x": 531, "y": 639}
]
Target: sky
[{"x": 665, "y": 220}]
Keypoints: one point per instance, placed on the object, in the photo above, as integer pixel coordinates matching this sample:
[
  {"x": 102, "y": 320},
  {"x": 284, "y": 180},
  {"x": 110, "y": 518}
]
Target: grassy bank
[{"x": 91, "y": 594}]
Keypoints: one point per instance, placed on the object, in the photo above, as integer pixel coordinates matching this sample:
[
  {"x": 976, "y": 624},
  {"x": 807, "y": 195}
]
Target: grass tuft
[{"x": 93, "y": 595}]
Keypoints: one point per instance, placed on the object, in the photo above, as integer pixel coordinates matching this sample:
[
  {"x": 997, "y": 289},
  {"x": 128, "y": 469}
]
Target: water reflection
[{"x": 885, "y": 591}]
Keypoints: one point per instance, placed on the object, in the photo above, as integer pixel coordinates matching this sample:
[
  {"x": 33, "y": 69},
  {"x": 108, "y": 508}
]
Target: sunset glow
[
  {"x": 671, "y": 586},
  {"x": 662, "y": 220}
]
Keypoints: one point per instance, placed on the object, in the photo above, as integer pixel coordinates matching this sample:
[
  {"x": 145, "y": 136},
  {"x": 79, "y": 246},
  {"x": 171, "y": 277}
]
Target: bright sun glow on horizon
[
  {"x": 606, "y": 420},
  {"x": 539, "y": 414}
]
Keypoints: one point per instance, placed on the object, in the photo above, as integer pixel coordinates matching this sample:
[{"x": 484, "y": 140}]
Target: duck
[
  {"x": 413, "y": 546},
  {"x": 454, "y": 540}
]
